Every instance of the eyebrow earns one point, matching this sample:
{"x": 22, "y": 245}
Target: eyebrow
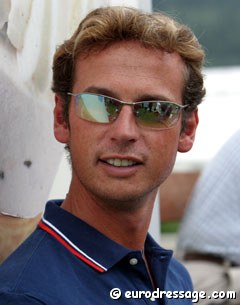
{"x": 110, "y": 93}
{"x": 102, "y": 91}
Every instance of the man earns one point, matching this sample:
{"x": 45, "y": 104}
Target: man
{"x": 127, "y": 87}
{"x": 209, "y": 236}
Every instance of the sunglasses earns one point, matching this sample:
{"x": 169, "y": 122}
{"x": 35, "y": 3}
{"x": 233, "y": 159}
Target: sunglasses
{"x": 104, "y": 109}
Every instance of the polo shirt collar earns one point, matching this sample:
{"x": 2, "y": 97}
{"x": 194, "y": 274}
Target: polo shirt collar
{"x": 84, "y": 241}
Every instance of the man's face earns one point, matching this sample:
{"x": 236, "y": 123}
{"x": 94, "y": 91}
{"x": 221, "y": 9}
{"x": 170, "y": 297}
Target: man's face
{"x": 131, "y": 73}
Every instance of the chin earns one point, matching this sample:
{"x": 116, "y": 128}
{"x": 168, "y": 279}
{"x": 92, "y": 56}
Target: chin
{"x": 123, "y": 202}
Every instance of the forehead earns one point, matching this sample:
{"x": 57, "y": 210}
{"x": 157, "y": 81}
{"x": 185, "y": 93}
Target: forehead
{"x": 128, "y": 66}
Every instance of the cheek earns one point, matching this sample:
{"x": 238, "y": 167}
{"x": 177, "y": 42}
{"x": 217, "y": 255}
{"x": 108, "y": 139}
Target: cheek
{"x": 164, "y": 150}
{"x": 84, "y": 142}
{"x": 81, "y": 153}
{"x": 80, "y": 140}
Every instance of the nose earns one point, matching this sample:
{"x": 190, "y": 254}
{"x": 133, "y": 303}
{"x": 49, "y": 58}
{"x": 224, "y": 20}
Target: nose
{"x": 125, "y": 128}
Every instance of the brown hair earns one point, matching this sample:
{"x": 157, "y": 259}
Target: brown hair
{"x": 105, "y": 26}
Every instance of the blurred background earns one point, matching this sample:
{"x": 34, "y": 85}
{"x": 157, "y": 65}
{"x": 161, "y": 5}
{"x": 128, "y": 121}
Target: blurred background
{"x": 215, "y": 24}
{"x": 34, "y": 167}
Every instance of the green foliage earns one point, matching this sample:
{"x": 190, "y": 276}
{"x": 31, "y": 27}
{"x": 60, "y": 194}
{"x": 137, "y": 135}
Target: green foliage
{"x": 216, "y": 23}
{"x": 169, "y": 226}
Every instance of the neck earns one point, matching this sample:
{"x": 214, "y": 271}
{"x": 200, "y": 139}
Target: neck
{"x": 128, "y": 228}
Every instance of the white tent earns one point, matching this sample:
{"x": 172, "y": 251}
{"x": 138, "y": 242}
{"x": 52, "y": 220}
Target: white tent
{"x": 30, "y": 30}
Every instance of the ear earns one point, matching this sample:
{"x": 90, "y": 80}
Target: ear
{"x": 187, "y": 136}
{"x": 61, "y": 128}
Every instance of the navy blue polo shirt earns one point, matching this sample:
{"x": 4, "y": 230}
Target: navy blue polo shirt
{"x": 67, "y": 262}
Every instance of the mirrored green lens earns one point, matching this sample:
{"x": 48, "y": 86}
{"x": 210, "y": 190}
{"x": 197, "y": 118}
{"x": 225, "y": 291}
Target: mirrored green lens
{"x": 95, "y": 108}
{"x": 157, "y": 114}
{"x": 104, "y": 109}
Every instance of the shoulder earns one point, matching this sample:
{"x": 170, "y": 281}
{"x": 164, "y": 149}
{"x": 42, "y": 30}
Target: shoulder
{"x": 30, "y": 272}
{"x": 178, "y": 286}
{"x": 19, "y": 268}
{"x": 11, "y": 298}
{"x": 178, "y": 276}
{"x": 175, "y": 274}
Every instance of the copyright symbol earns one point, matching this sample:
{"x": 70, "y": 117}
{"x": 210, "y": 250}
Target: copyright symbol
{"x": 115, "y": 293}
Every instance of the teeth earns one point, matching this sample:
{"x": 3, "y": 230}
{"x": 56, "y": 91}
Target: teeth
{"x": 119, "y": 162}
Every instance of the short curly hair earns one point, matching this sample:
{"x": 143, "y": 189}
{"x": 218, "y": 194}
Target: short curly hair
{"x": 104, "y": 26}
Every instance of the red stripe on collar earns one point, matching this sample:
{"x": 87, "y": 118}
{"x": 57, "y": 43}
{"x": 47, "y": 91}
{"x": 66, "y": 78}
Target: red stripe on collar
{"x": 49, "y": 230}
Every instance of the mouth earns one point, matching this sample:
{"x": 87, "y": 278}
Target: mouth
{"x": 120, "y": 162}
{"x": 117, "y": 162}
